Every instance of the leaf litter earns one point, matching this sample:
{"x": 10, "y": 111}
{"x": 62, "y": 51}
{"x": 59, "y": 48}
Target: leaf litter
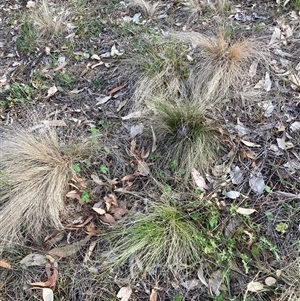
{"x": 237, "y": 177}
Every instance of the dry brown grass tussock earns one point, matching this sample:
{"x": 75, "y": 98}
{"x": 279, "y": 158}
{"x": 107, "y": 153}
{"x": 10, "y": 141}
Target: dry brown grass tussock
{"x": 49, "y": 20}
{"x": 35, "y": 170}
{"x": 147, "y": 7}
{"x": 222, "y": 63}
{"x": 201, "y": 6}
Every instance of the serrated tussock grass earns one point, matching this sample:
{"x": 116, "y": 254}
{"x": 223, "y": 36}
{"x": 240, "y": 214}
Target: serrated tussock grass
{"x": 165, "y": 238}
{"x": 200, "y": 7}
{"x": 185, "y": 134}
{"x": 35, "y": 170}
{"x": 162, "y": 65}
{"x": 222, "y": 63}
{"x": 48, "y": 20}
{"x": 147, "y": 7}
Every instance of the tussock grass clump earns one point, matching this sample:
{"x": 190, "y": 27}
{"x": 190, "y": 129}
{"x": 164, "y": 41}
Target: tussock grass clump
{"x": 165, "y": 238}
{"x": 185, "y": 134}
{"x": 147, "y": 7}
{"x": 48, "y": 21}
{"x": 35, "y": 171}
{"x": 222, "y": 63}
{"x": 200, "y": 7}
{"x": 163, "y": 65}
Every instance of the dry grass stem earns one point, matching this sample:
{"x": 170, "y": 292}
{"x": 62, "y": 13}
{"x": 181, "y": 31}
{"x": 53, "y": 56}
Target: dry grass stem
{"x": 35, "y": 171}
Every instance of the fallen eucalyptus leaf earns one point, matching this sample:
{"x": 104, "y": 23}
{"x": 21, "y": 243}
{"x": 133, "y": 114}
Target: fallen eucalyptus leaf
{"x": 257, "y": 183}
{"x": 269, "y": 281}
{"x": 69, "y": 249}
{"x": 47, "y": 294}
{"x": 132, "y": 115}
{"x": 124, "y": 293}
{"x": 34, "y": 259}
{"x": 250, "y": 144}
{"x": 245, "y": 211}
{"x": 232, "y": 194}
{"x": 199, "y": 180}
{"x": 51, "y": 91}
{"x": 190, "y": 284}
{"x": 255, "y": 286}
{"x": 102, "y": 100}
{"x": 295, "y": 126}
{"x": 201, "y": 277}
{"x": 236, "y": 175}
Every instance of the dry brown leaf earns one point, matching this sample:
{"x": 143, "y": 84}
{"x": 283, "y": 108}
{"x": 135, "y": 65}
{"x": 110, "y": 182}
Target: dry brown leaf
{"x": 51, "y": 280}
{"x": 143, "y": 168}
{"x": 4, "y": 264}
{"x": 113, "y": 199}
{"x": 199, "y": 180}
{"x": 132, "y": 147}
{"x": 99, "y": 210}
{"x": 90, "y": 251}
{"x": 84, "y": 223}
{"x": 124, "y": 293}
{"x": 109, "y": 218}
{"x": 127, "y": 178}
{"x": 116, "y": 89}
{"x": 74, "y": 195}
{"x": 69, "y": 249}
{"x": 62, "y": 65}
{"x": 118, "y": 212}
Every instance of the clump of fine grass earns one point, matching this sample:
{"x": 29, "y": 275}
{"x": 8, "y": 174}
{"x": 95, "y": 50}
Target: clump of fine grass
{"x": 161, "y": 64}
{"x": 165, "y": 238}
{"x": 185, "y": 134}
{"x": 222, "y": 63}
{"x": 200, "y": 7}
{"x": 35, "y": 170}
{"x": 147, "y": 7}
{"x": 48, "y": 21}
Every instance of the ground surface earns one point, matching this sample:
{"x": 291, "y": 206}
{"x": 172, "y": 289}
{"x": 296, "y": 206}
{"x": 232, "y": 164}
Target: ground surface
{"x": 65, "y": 79}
